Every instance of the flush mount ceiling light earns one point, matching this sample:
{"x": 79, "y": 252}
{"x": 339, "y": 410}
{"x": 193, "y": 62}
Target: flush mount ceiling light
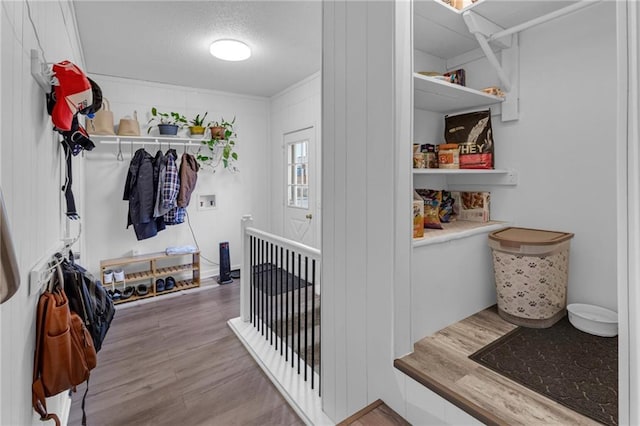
{"x": 230, "y": 50}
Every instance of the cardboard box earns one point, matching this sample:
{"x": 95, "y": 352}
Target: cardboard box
{"x": 472, "y": 206}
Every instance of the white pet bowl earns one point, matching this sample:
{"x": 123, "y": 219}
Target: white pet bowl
{"x": 593, "y": 319}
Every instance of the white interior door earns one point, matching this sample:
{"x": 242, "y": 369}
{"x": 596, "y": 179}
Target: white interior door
{"x": 300, "y": 187}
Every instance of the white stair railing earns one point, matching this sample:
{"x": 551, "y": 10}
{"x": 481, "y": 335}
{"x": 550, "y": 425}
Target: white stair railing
{"x": 279, "y": 294}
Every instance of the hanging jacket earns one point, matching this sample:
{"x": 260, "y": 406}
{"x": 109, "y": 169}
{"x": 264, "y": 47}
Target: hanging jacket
{"x": 161, "y": 163}
{"x": 188, "y": 178}
{"x": 175, "y": 216}
{"x": 138, "y": 190}
{"x": 170, "y": 189}
{"x": 171, "y": 184}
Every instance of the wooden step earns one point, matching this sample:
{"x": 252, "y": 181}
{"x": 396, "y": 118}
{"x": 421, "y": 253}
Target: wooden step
{"x": 441, "y": 363}
{"x": 375, "y": 414}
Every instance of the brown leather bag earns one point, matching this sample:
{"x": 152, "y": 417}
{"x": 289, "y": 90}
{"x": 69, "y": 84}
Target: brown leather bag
{"x": 64, "y": 353}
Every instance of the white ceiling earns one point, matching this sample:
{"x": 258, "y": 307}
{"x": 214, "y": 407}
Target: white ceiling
{"x": 168, "y": 42}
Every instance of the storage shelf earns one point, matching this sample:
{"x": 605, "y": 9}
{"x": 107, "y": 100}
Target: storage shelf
{"x": 152, "y": 272}
{"x": 472, "y": 177}
{"x": 138, "y": 276}
{"x": 149, "y": 139}
{"x": 175, "y": 269}
{"x": 441, "y": 31}
{"x": 180, "y": 285}
{"x": 507, "y": 16}
{"x": 457, "y": 230}
{"x": 140, "y": 258}
{"x": 461, "y": 171}
{"x": 441, "y": 96}
{"x": 132, "y": 298}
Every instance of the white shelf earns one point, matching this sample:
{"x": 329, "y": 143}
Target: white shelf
{"x": 473, "y": 177}
{"x": 457, "y": 230}
{"x": 440, "y": 96}
{"x": 138, "y": 140}
{"x": 441, "y": 31}
{"x": 461, "y": 171}
{"x": 507, "y": 15}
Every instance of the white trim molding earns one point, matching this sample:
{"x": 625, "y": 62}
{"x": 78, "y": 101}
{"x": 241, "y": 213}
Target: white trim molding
{"x": 305, "y": 401}
{"x": 633, "y": 208}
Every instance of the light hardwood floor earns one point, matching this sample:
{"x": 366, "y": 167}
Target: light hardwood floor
{"x": 440, "y": 362}
{"x": 375, "y": 414}
{"x": 174, "y": 361}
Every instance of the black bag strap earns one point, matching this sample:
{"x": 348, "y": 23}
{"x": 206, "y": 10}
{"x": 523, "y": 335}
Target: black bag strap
{"x": 84, "y": 397}
{"x": 72, "y": 213}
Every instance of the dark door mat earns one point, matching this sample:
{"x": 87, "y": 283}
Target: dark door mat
{"x": 575, "y": 369}
{"x": 273, "y": 280}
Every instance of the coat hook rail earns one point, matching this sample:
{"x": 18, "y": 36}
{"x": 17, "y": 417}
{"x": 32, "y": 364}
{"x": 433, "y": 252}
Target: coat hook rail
{"x": 157, "y": 142}
{"x": 41, "y": 272}
{"x": 40, "y": 72}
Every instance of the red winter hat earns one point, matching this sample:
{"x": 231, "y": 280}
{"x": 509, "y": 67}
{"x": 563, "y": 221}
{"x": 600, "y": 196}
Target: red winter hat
{"x": 73, "y": 93}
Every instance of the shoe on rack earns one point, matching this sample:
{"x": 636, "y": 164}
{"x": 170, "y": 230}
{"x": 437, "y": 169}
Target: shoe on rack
{"x": 127, "y": 293}
{"x": 115, "y": 294}
{"x": 169, "y": 283}
{"x": 142, "y": 290}
{"x": 160, "y": 285}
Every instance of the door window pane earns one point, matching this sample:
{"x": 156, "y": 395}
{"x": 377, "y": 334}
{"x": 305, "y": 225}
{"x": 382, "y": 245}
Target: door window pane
{"x": 298, "y": 175}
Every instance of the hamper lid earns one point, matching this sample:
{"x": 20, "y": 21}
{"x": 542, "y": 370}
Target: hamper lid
{"x": 529, "y": 236}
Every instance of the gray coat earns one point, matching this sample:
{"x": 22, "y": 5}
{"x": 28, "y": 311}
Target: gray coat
{"x": 139, "y": 191}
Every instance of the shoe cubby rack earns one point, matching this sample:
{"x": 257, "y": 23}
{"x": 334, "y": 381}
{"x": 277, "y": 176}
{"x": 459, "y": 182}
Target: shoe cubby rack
{"x": 147, "y": 268}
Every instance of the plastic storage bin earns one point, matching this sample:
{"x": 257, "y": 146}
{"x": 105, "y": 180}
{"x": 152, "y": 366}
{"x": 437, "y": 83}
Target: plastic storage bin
{"x": 531, "y": 271}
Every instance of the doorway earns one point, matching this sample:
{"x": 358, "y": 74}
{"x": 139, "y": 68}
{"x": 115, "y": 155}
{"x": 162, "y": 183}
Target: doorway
{"x": 301, "y": 195}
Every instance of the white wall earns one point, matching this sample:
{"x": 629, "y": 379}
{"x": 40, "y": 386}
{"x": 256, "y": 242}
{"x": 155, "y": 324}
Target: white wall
{"x": 629, "y": 208}
{"x": 295, "y": 108}
{"x": 359, "y": 192}
{"x": 563, "y": 145}
{"x": 30, "y": 178}
{"x": 236, "y": 193}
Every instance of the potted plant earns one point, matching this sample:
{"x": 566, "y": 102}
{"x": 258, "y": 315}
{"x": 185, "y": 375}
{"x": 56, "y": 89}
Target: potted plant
{"x": 222, "y": 129}
{"x": 220, "y": 147}
{"x": 168, "y": 122}
{"x": 197, "y": 125}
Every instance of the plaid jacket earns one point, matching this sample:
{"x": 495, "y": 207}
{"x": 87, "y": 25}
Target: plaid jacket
{"x": 171, "y": 183}
{"x": 175, "y": 216}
